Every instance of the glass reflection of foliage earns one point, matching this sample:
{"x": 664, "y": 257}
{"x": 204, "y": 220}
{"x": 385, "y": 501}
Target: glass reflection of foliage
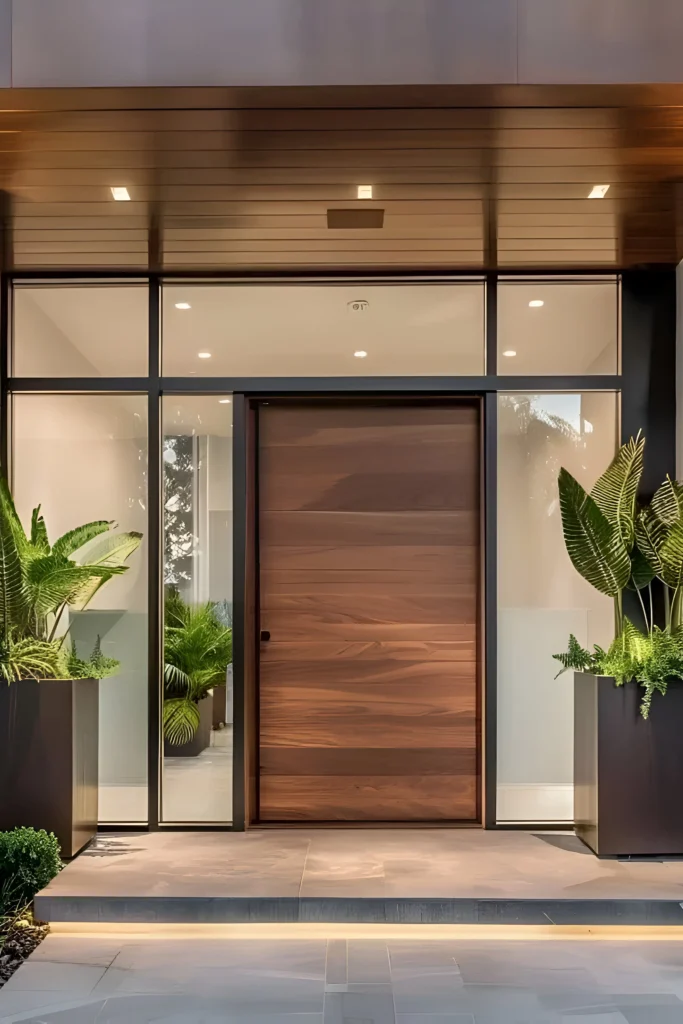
{"x": 178, "y": 456}
{"x": 198, "y": 650}
{"x": 543, "y": 431}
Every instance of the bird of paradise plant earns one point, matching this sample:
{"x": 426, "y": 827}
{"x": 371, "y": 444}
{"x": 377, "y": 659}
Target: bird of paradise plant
{"x": 618, "y": 543}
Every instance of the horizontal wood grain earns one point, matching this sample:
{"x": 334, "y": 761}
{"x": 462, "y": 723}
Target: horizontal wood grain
{"x": 245, "y": 187}
{"x": 369, "y": 561}
{"x": 322, "y": 612}
{"x": 359, "y": 761}
{"x": 347, "y": 724}
{"x": 364, "y": 652}
{"x": 368, "y": 798}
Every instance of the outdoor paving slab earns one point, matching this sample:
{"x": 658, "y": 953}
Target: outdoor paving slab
{"x": 458, "y": 876}
{"x": 290, "y": 980}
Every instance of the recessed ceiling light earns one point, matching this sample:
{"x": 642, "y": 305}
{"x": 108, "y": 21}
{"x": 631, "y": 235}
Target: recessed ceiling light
{"x": 510, "y": 352}
{"x": 536, "y": 303}
{"x": 204, "y": 355}
{"x": 360, "y": 354}
{"x": 598, "y": 192}
{"x": 365, "y": 191}
{"x": 120, "y": 193}
{"x": 183, "y": 305}
{"x": 224, "y": 401}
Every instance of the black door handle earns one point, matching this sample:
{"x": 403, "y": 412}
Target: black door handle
{"x": 265, "y": 635}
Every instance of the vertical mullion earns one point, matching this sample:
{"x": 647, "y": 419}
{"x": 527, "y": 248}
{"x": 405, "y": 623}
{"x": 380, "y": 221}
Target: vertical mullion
{"x": 490, "y": 606}
{"x": 239, "y": 562}
{"x": 154, "y": 566}
{"x": 5, "y": 342}
{"x": 491, "y": 325}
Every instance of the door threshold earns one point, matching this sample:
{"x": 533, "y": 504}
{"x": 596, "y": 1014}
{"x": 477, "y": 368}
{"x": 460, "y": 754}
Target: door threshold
{"x": 360, "y": 825}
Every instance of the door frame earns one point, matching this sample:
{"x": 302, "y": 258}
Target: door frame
{"x": 246, "y": 599}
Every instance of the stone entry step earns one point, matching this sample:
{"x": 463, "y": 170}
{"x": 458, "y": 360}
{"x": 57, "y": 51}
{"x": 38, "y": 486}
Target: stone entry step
{"x": 432, "y": 876}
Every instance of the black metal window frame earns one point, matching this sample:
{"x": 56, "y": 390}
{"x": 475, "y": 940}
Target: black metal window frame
{"x": 645, "y": 383}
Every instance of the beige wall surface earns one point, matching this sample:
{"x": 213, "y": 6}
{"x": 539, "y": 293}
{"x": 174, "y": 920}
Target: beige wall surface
{"x": 74, "y": 43}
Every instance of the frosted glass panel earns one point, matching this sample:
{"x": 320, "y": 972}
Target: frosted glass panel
{"x": 541, "y": 598}
{"x": 346, "y": 330}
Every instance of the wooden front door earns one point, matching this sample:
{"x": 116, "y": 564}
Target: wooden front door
{"x": 369, "y": 568}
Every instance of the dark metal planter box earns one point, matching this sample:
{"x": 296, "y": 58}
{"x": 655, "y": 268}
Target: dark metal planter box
{"x": 49, "y": 758}
{"x": 201, "y": 739}
{"x": 628, "y": 771}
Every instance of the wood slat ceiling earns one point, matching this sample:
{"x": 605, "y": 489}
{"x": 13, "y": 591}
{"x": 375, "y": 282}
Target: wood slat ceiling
{"x": 248, "y": 187}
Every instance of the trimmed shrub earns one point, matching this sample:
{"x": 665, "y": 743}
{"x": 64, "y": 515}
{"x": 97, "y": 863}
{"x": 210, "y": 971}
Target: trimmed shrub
{"x": 29, "y": 859}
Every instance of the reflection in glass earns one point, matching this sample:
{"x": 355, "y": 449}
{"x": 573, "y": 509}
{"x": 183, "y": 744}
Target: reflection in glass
{"x": 558, "y": 327}
{"x": 84, "y": 458}
{"x": 541, "y": 598}
{"x": 304, "y": 330}
{"x": 70, "y": 330}
{"x": 197, "y": 686}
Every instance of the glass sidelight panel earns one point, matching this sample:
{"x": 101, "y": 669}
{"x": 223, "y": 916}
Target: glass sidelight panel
{"x": 84, "y": 458}
{"x": 541, "y": 598}
{"x": 197, "y": 686}
{"x": 80, "y": 330}
{"x": 323, "y": 330}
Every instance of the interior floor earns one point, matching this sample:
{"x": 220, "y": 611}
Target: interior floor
{"x": 195, "y": 789}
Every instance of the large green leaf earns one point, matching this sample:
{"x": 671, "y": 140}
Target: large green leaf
{"x": 75, "y": 539}
{"x": 14, "y": 606}
{"x": 181, "y": 720}
{"x": 671, "y": 556}
{"x": 9, "y": 513}
{"x": 109, "y": 551}
{"x": 667, "y": 502}
{"x": 595, "y": 547}
{"x": 651, "y": 532}
{"x": 52, "y": 581}
{"x": 615, "y": 492}
{"x": 175, "y": 680}
{"x": 39, "y": 539}
{"x": 642, "y": 572}
{"x": 112, "y": 549}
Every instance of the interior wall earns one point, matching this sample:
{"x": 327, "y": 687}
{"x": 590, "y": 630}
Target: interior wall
{"x": 541, "y": 597}
{"x": 41, "y": 348}
{"x": 86, "y": 330}
{"x": 301, "y": 330}
{"x": 557, "y": 327}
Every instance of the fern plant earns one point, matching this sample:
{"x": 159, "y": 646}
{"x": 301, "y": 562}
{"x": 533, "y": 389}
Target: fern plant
{"x": 198, "y": 650}
{"x": 97, "y": 666}
{"x": 40, "y": 581}
{"x": 615, "y": 544}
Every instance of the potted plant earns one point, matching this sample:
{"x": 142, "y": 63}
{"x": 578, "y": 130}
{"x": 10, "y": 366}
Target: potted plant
{"x": 628, "y": 698}
{"x": 49, "y": 700}
{"x": 198, "y": 650}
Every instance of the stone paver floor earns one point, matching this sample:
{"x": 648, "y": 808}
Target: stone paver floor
{"x": 303, "y": 979}
{"x": 462, "y": 863}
